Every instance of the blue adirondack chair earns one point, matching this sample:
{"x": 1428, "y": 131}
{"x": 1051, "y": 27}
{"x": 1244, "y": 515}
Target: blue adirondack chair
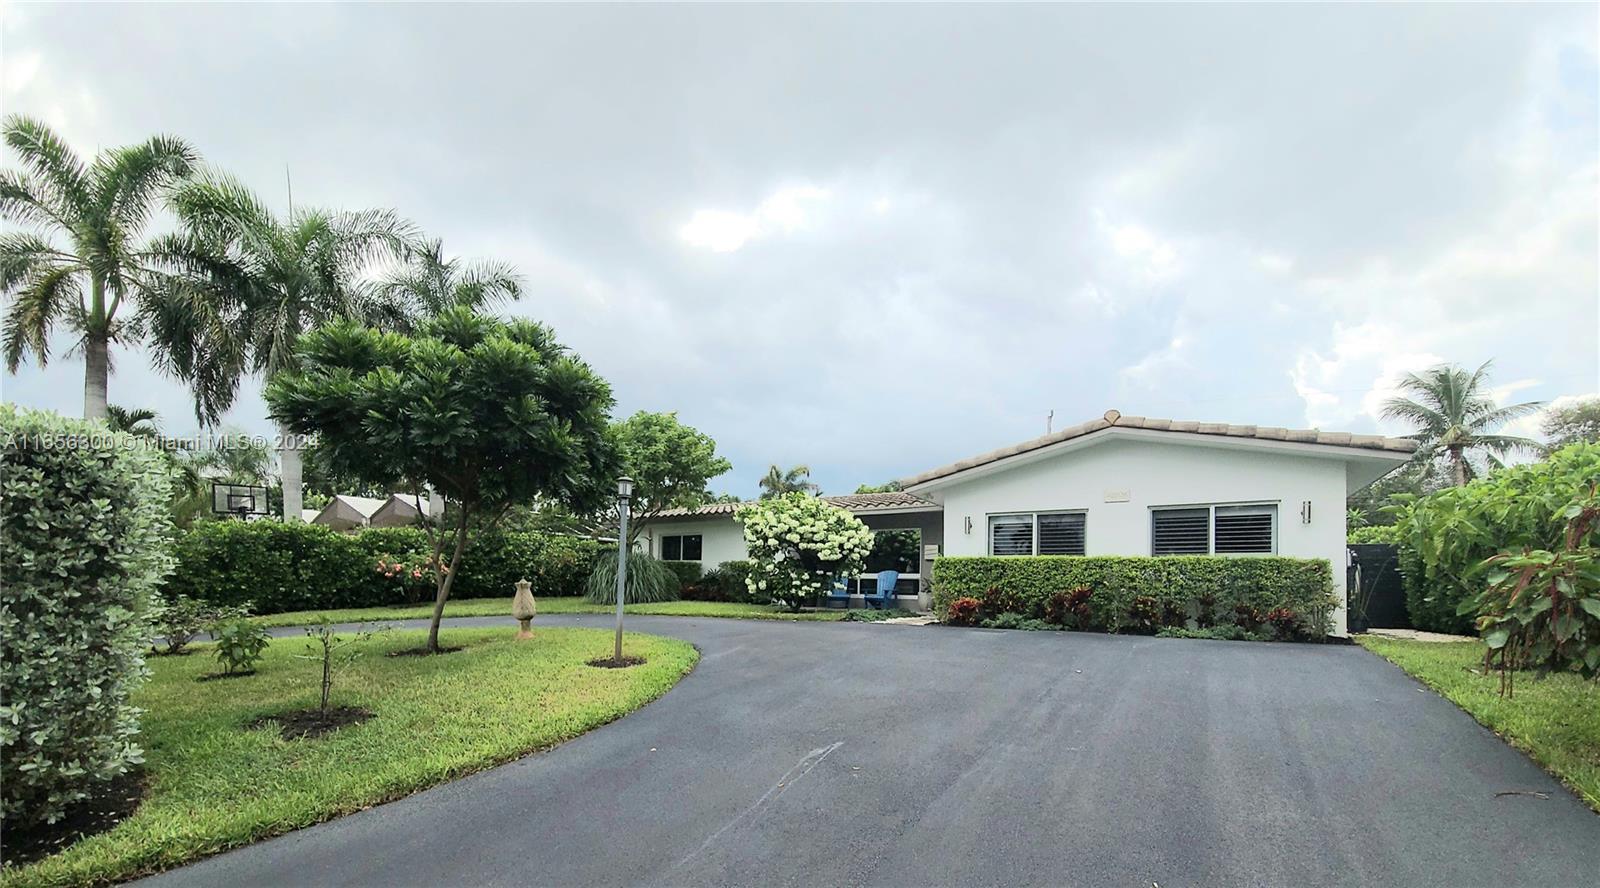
{"x": 884, "y": 594}
{"x": 840, "y": 592}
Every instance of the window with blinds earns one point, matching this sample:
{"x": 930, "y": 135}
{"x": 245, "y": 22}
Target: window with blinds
{"x": 1180, "y": 532}
{"x": 1244, "y": 530}
{"x": 1026, "y": 533}
{"x": 1061, "y": 533}
{"x": 1010, "y": 534}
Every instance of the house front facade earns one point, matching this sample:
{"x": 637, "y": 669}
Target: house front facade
{"x": 1117, "y": 485}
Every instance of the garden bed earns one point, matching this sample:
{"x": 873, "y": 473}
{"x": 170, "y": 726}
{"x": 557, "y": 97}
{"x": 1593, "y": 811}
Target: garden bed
{"x": 215, "y": 783}
{"x": 1555, "y": 720}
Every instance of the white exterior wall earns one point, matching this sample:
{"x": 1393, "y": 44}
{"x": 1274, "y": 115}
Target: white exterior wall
{"x": 721, "y": 538}
{"x": 1158, "y": 474}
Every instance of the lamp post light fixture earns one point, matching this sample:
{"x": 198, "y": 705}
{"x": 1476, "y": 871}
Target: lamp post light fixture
{"x": 624, "y": 493}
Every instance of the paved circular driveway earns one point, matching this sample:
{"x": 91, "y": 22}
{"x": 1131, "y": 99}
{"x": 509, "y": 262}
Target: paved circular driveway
{"x": 856, "y": 754}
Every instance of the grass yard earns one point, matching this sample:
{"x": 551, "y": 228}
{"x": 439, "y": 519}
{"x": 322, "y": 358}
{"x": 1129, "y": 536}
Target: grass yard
{"x": 214, "y": 784}
{"x": 1555, "y": 720}
{"x": 501, "y": 607}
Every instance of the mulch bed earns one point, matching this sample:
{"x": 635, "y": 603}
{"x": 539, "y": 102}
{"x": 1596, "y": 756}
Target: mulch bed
{"x": 112, "y": 803}
{"x": 609, "y": 663}
{"x": 218, "y": 676}
{"x": 422, "y": 652}
{"x": 313, "y": 723}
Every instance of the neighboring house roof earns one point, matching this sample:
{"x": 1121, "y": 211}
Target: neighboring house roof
{"x": 1114, "y": 419}
{"x": 345, "y": 511}
{"x": 855, "y": 502}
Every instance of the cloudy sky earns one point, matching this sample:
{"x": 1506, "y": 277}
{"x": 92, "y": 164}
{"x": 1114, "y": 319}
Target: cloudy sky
{"x": 876, "y": 239}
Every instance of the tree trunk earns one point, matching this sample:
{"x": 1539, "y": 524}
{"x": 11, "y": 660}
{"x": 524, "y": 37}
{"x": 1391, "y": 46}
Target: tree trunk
{"x": 289, "y": 466}
{"x": 1458, "y": 466}
{"x": 445, "y": 582}
{"x": 96, "y": 371}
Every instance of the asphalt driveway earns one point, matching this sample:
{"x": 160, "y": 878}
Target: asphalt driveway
{"x": 856, "y": 754}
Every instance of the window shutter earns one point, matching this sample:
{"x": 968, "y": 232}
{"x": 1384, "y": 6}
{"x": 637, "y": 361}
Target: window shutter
{"x": 671, "y": 548}
{"x": 1011, "y": 535}
{"x": 1245, "y": 530}
{"x": 1061, "y": 534}
{"x": 691, "y": 547}
{"x": 1180, "y": 532}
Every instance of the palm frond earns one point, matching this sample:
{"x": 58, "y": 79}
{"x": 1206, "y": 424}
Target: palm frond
{"x": 33, "y": 312}
{"x": 22, "y": 201}
{"x": 49, "y": 159}
{"x": 129, "y": 179}
{"x": 24, "y": 256}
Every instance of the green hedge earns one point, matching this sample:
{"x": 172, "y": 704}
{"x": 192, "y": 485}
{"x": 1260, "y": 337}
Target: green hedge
{"x": 1183, "y": 589}
{"x": 1445, "y": 537}
{"x": 283, "y": 566}
{"x": 687, "y": 572}
{"x": 728, "y": 581}
{"x": 84, "y": 545}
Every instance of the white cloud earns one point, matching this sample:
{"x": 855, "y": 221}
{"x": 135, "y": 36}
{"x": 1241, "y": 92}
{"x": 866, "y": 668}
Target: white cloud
{"x": 1357, "y": 374}
{"x": 785, "y": 211}
{"x": 1150, "y": 257}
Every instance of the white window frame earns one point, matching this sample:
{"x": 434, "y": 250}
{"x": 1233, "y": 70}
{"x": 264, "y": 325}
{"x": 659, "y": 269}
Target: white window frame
{"x": 1211, "y": 525}
{"x": 680, "y": 536}
{"x": 1033, "y": 541}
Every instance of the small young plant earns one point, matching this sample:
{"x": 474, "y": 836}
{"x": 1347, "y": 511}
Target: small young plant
{"x": 240, "y": 644}
{"x": 326, "y": 645}
{"x": 179, "y": 620}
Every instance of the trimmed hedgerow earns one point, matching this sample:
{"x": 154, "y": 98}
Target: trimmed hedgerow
{"x": 1139, "y": 594}
{"x": 86, "y": 521}
{"x": 687, "y": 572}
{"x": 286, "y": 566}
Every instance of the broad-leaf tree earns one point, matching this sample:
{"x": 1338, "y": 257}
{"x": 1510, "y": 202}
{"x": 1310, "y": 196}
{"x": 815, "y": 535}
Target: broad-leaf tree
{"x": 426, "y": 284}
{"x": 779, "y": 482}
{"x": 489, "y": 413}
{"x": 244, "y": 283}
{"x": 1456, "y": 417}
{"x": 1572, "y": 423}
{"x": 82, "y": 263}
{"x": 670, "y": 464}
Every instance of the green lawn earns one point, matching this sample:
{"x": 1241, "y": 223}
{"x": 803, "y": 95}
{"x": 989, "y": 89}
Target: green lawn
{"x": 215, "y": 784}
{"x": 501, "y": 607}
{"x": 1555, "y": 720}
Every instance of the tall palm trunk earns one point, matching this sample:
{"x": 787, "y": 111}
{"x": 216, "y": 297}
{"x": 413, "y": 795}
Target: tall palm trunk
{"x": 96, "y": 352}
{"x": 1458, "y": 466}
{"x": 289, "y": 470}
{"x": 96, "y": 371}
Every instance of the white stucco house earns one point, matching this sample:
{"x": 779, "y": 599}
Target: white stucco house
{"x": 1118, "y": 485}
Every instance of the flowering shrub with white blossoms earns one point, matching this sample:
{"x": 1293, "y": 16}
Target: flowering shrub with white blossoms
{"x": 798, "y": 544}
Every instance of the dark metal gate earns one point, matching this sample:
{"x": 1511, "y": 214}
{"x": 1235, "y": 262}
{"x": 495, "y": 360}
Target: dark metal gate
{"x": 1377, "y": 595}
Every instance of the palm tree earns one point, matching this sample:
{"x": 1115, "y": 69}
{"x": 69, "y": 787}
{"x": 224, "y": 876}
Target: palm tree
{"x": 426, "y": 284}
{"x": 1455, "y": 416}
{"x": 188, "y": 488}
{"x": 81, "y": 264}
{"x": 243, "y": 284}
{"x": 778, "y": 482}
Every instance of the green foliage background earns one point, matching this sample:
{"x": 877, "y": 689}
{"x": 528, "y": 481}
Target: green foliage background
{"x": 1445, "y": 537}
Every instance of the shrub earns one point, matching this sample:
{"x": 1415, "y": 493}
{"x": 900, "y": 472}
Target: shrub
{"x": 870, "y": 615}
{"x": 179, "y": 620}
{"x": 85, "y": 517}
{"x": 687, "y": 572}
{"x": 649, "y": 579}
{"x": 997, "y": 601}
{"x": 1198, "y": 585}
{"x": 1378, "y": 533}
{"x": 1014, "y": 620}
{"x": 1445, "y": 537}
{"x": 240, "y": 645}
{"x": 799, "y": 543}
{"x": 1218, "y": 633}
{"x": 728, "y": 581}
{"x": 1246, "y": 617}
{"x": 1144, "y": 615}
{"x": 1069, "y": 609}
{"x": 963, "y": 612}
{"x": 1285, "y": 624}
{"x": 289, "y": 566}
